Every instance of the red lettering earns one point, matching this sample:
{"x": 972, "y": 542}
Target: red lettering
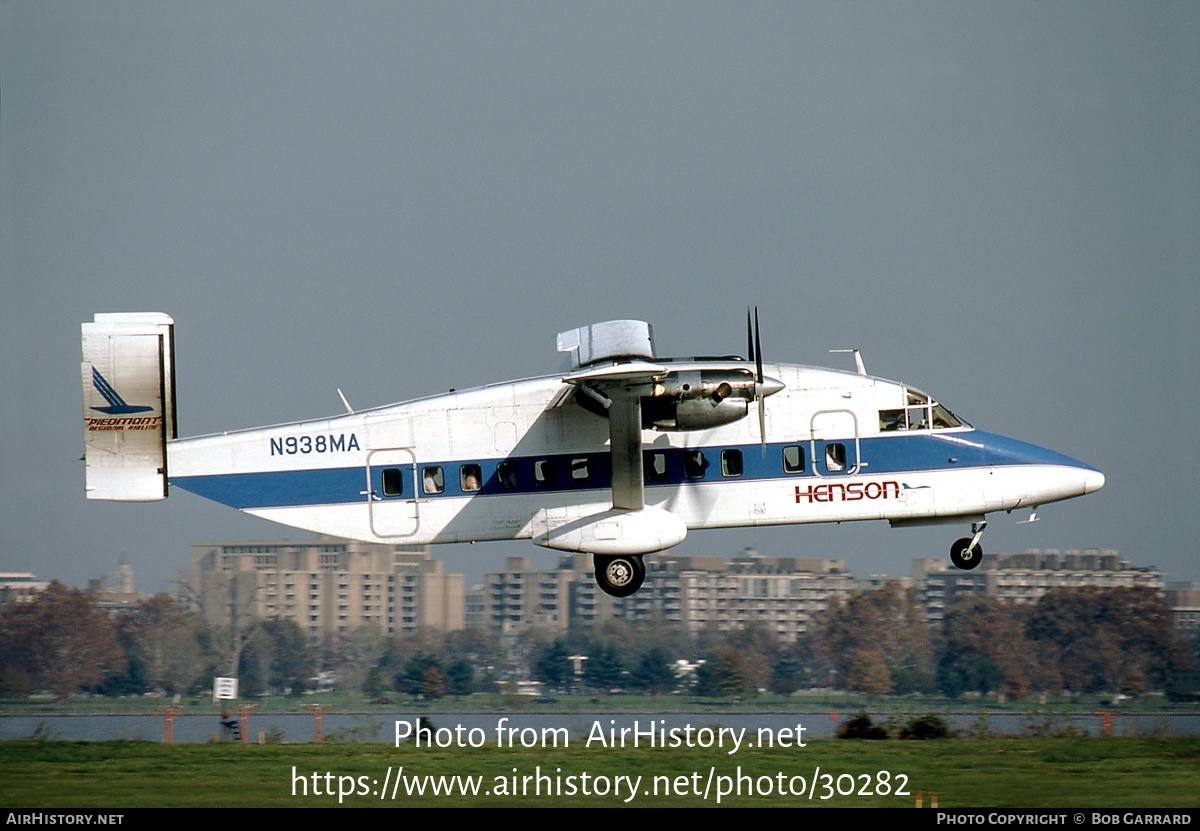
{"x": 126, "y": 423}
{"x": 852, "y": 492}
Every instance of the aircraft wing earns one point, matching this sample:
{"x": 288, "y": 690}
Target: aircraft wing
{"x": 619, "y": 389}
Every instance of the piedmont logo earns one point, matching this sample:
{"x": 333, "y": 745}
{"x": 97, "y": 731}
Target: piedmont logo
{"x": 117, "y": 406}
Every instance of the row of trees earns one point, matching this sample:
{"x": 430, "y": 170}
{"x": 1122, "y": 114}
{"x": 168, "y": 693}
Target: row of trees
{"x": 1081, "y": 640}
{"x": 1085, "y": 640}
{"x": 63, "y": 643}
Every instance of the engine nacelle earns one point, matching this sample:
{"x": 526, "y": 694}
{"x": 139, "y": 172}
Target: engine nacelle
{"x": 698, "y": 399}
{"x": 691, "y": 413}
{"x": 717, "y": 384}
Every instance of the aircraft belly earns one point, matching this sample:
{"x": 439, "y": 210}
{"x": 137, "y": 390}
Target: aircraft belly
{"x": 350, "y": 521}
{"x": 440, "y": 521}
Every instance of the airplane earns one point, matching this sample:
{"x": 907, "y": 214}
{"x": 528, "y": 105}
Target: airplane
{"x": 618, "y": 457}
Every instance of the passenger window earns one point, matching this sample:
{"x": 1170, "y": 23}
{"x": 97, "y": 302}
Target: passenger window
{"x": 693, "y": 464}
{"x": 581, "y": 471}
{"x": 835, "y": 457}
{"x": 543, "y": 473}
{"x": 432, "y": 480}
{"x": 393, "y": 482}
{"x": 793, "y": 459}
{"x": 656, "y": 471}
{"x": 470, "y": 478}
{"x": 731, "y": 462}
{"x": 506, "y": 473}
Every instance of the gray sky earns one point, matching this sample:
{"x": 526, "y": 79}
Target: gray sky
{"x": 997, "y": 202}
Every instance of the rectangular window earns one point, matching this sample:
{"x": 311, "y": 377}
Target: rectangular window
{"x": 693, "y": 464}
{"x": 432, "y": 480}
{"x": 835, "y": 457}
{"x": 731, "y": 462}
{"x": 506, "y": 473}
{"x": 918, "y": 418}
{"x": 393, "y": 481}
{"x": 470, "y": 478}
{"x": 581, "y": 471}
{"x": 793, "y": 459}
{"x": 543, "y": 473}
{"x": 891, "y": 420}
{"x": 656, "y": 470}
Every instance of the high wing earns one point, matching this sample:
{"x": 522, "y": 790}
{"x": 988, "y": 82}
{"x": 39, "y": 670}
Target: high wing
{"x": 618, "y": 375}
{"x": 619, "y": 389}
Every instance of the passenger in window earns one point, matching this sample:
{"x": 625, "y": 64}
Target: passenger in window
{"x": 835, "y": 457}
{"x": 471, "y": 478}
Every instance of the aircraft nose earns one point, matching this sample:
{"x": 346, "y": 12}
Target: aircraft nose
{"x": 1093, "y": 480}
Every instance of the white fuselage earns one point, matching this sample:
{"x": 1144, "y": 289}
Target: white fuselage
{"x": 500, "y": 462}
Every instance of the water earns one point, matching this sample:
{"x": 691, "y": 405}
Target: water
{"x": 464, "y": 728}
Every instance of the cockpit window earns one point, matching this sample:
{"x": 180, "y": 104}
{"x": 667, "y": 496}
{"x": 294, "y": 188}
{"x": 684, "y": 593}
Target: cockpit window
{"x": 919, "y": 413}
{"x": 943, "y": 418}
{"x": 891, "y": 420}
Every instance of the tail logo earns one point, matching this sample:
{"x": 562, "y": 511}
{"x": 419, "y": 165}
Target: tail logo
{"x": 116, "y": 404}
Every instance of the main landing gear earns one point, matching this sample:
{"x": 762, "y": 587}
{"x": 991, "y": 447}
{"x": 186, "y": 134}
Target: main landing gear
{"x": 967, "y": 552}
{"x": 620, "y": 575}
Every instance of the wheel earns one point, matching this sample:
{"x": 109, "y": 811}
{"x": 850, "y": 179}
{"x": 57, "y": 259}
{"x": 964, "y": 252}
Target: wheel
{"x": 619, "y": 576}
{"x": 964, "y": 556}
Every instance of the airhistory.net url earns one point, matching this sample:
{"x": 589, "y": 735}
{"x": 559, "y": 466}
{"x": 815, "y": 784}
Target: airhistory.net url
{"x": 706, "y": 785}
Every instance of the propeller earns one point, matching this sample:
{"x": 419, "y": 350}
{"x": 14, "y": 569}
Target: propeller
{"x": 754, "y": 347}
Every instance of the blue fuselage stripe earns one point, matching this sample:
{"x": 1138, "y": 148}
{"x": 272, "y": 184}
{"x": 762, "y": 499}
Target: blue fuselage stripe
{"x": 892, "y": 454}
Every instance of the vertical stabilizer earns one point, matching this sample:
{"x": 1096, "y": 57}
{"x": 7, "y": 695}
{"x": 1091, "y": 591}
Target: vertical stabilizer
{"x": 128, "y": 404}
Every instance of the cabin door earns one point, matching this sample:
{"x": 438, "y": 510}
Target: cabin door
{"x": 835, "y": 443}
{"x": 391, "y": 488}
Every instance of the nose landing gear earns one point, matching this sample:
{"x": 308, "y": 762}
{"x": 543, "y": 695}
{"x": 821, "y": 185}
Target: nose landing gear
{"x": 967, "y": 553}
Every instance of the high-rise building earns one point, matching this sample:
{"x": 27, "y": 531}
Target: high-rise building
{"x": 694, "y": 592}
{"x": 329, "y": 587}
{"x": 1023, "y": 578}
{"x": 19, "y": 586}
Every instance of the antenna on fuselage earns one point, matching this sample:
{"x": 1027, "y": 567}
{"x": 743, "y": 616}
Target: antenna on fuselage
{"x": 345, "y": 403}
{"x": 858, "y": 361}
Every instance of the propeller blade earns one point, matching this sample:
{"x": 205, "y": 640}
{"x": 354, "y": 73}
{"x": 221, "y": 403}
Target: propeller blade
{"x": 757, "y": 349}
{"x": 749, "y": 337}
{"x": 758, "y": 381}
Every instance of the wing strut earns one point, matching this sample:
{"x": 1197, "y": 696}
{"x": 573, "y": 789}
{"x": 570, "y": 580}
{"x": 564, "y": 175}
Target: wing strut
{"x": 625, "y": 442}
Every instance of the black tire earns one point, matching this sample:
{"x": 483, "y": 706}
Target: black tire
{"x": 619, "y": 576}
{"x": 964, "y": 556}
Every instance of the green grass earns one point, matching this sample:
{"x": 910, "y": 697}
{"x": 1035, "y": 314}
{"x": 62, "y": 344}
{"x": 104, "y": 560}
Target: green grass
{"x": 1049, "y": 773}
